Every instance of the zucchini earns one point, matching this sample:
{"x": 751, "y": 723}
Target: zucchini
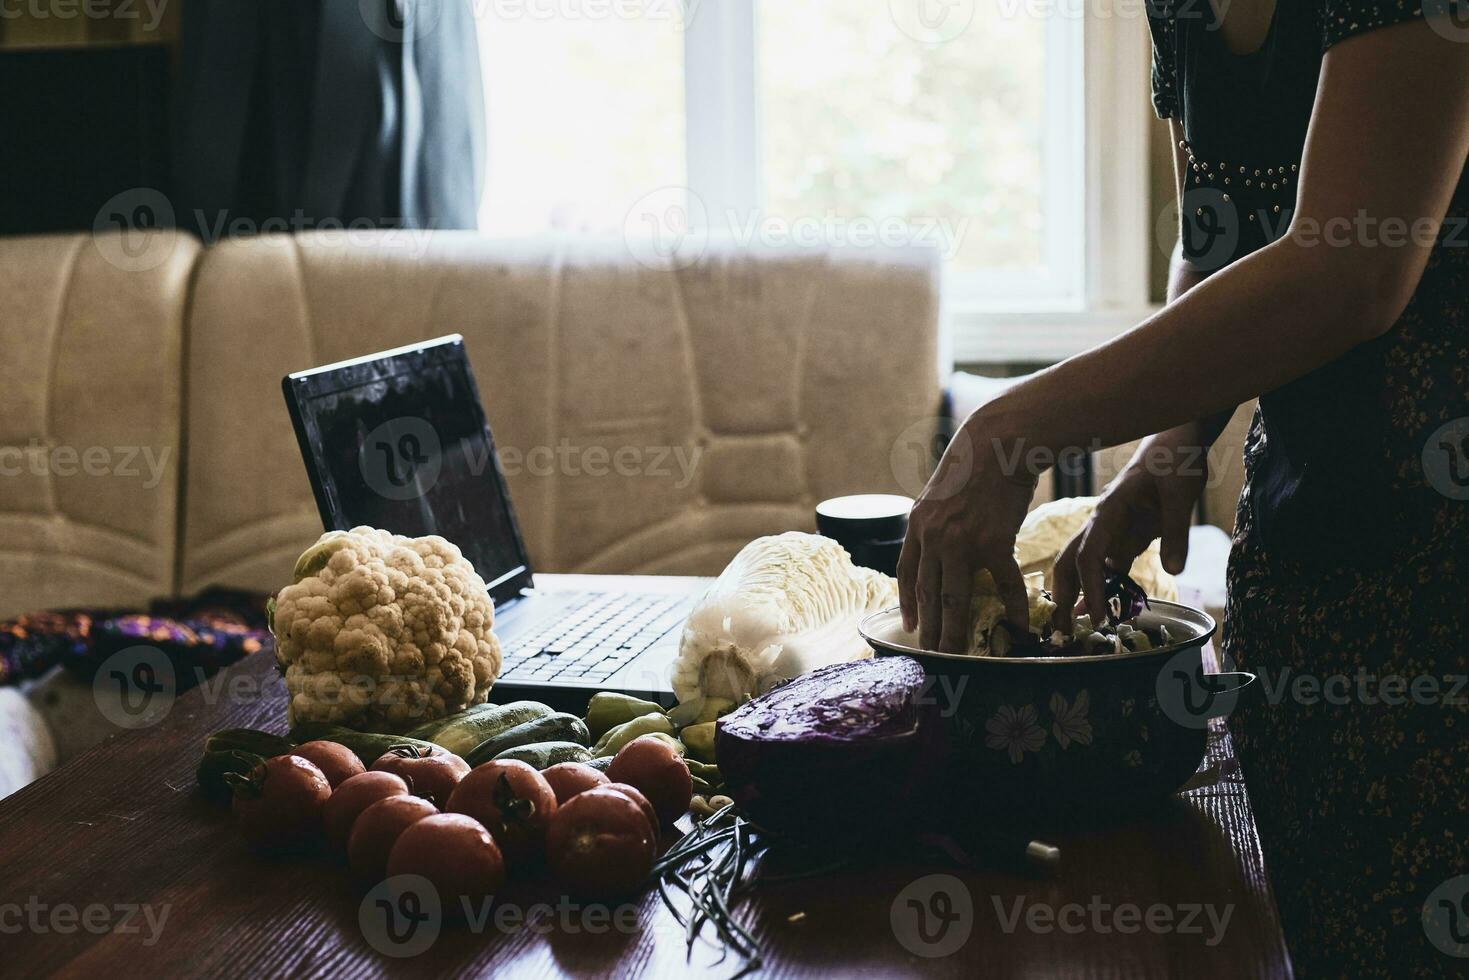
{"x": 469, "y": 729}
{"x": 368, "y": 746}
{"x": 433, "y": 726}
{"x": 543, "y": 755}
{"x": 560, "y": 727}
{"x": 601, "y": 763}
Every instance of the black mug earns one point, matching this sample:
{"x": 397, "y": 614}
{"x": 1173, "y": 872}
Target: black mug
{"x": 870, "y": 526}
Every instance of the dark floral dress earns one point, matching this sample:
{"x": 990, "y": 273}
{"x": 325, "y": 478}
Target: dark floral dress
{"x": 1349, "y": 576}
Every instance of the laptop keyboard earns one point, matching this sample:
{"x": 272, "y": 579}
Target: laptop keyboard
{"x": 597, "y": 635}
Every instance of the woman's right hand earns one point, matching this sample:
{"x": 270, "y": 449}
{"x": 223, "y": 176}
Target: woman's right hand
{"x": 1153, "y": 497}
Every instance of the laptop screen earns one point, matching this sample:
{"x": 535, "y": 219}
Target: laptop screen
{"x": 399, "y": 441}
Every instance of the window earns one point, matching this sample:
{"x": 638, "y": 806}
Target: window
{"x": 959, "y": 124}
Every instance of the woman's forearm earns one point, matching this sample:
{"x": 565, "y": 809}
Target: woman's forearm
{"x": 1264, "y": 321}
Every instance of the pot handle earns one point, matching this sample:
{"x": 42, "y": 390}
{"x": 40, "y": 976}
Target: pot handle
{"x": 1229, "y": 681}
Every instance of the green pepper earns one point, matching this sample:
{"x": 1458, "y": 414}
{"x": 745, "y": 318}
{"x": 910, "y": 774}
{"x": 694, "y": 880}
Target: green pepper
{"x": 616, "y": 738}
{"x": 607, "y": 710}
{"x": 700, "y": 741}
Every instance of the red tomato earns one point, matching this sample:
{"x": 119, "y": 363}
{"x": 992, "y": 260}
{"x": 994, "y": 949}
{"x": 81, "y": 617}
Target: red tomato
{"x": 279, "y": 803}
{"x": 600, "y": 845}
{"x": 569, "y": 778}
{"x": 514, "y": 801}
{"x": 632, "y": 793}
{"x": 351, "y": 798}
{"x": 376, "y": 830}
{"x": 337, "y": 762}
{"x": 654, "y": 767}
{"x": 431, "y": 773}
{"x": 456, "y": 854}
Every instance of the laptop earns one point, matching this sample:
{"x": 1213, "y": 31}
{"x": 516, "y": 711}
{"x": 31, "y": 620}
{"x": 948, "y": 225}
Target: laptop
{"x": 399, "y": 441}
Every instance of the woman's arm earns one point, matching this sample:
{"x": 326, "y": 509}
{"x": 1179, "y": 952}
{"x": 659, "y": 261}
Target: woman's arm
{"x": 1388, "y": 140}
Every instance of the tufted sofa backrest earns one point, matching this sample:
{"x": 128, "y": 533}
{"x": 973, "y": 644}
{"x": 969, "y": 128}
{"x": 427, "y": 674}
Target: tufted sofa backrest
{"x": 649, "y": 420}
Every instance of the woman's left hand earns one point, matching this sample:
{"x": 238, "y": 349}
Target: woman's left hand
{"x": 965, "y": 521}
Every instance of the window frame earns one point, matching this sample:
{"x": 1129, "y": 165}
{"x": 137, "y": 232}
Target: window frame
{"x": 1097, "y": 83}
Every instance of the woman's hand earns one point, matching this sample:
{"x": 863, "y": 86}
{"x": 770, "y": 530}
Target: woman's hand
{"x": 964, "y": 521}
{"x": 1153, "y": 497}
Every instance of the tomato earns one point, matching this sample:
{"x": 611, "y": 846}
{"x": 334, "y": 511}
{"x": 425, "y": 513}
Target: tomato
{"x": 632, "y": 793}
{"x": 376, "y": 830}
{"x": 279, "y": 803}
{"x": 654, "y": 767}
{"x": 337, "y": 762}
{"x": 431, "y": 773}
{"x": 351, "y": 798}
{"x": 569, "y": 778}
{"x": 456, "y": 854}
{"x": 600, "y": 845}
{"x": 514, "y": 801}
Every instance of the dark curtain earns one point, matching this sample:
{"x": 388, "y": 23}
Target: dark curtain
{"x": 296, "y": 114}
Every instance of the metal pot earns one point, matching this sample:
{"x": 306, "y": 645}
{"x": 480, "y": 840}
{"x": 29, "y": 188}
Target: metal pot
{"x": 1072, "y": 736}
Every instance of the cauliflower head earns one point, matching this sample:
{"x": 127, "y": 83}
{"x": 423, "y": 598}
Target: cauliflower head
{"x": 382, "y": 632}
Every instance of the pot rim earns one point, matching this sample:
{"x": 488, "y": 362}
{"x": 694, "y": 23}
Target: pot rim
{"x": 1170, "y": 611}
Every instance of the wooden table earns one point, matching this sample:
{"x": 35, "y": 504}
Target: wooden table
{"x": 124, "y": 827}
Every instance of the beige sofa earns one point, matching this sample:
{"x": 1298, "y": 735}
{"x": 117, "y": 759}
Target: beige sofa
{"x": 145, "y": 449}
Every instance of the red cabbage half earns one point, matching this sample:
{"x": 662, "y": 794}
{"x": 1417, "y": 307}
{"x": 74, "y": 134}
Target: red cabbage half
{"x": 849, "y": 748}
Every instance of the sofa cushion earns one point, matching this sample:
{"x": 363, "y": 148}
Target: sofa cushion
{"x": 90, "y": 416}
{"x": 648, "y": 420}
